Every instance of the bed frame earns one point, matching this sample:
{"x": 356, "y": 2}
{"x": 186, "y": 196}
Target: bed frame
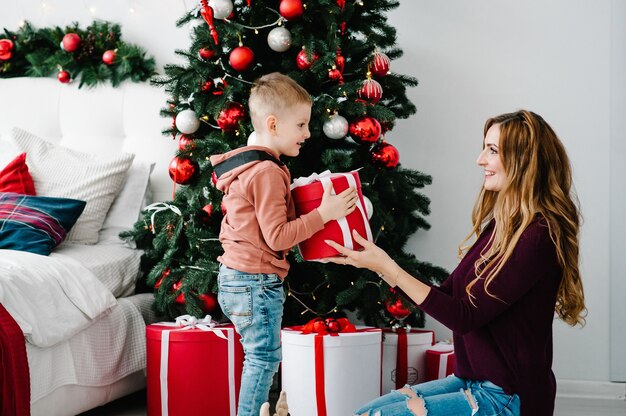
{"x": 103, "y": 120}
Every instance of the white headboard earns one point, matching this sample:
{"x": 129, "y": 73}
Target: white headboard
{"x": 103, "y": 120}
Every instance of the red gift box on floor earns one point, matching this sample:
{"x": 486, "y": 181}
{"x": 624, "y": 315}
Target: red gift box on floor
{"x": 194, "y": 368}
{"x": 307, "y": 195}
{"x": 439, "y": 361}
{"x": 404, "y": 357}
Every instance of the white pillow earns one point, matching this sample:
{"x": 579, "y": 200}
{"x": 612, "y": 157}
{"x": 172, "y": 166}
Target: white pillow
{"x": 62, "y": 172}
{"x": 128, "y": 205}
{"x": 8, "y": 152}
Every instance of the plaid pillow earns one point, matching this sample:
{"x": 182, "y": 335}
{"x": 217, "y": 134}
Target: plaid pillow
{"x": 36, "y": 224}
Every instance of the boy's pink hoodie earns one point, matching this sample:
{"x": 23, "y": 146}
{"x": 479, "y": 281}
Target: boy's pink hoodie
{"x": 260, "y": 225}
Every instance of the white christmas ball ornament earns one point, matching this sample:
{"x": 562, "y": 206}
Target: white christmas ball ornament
{"x": 369, "y": 208}
{"x": 187, "y": 122}
{"x": 252, "y": 139}
{"x": 279, "y": 39}
{"x": 221, "y": 8}
{"x": 336, "y": 127}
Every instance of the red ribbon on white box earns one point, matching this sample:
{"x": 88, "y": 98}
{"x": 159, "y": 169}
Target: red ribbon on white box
{"x": 185, "y": 322}
{"x": 326, "y": 179}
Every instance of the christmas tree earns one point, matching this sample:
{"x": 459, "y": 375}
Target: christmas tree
{"x": 339, "y": 51}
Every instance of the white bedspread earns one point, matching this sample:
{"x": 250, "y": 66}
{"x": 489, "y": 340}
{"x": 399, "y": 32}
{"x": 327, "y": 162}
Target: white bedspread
{"x": 51, "y": 300}
{"x": 110, "y": 349}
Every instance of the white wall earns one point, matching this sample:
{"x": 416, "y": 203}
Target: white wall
{"x": 474, "y": 59}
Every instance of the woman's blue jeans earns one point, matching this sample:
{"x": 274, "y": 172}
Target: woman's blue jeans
{"x": 254, "y": 304}
{"x": 447, "y": 397}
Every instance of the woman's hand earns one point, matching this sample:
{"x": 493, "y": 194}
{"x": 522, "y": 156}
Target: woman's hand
{"x": 371, "y": 257}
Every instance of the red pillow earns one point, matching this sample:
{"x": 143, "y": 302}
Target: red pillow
{"x": 16, "y": 178}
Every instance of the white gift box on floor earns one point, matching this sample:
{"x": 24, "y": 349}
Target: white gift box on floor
{"x": 404, "y": 357}
{"x": 350, "y": 362}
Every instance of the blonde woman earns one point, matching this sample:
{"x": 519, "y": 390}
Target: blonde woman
{"x": 519, "y": 266}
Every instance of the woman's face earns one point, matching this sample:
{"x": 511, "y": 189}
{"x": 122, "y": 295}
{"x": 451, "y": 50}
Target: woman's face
{"x": 489, "y": 160}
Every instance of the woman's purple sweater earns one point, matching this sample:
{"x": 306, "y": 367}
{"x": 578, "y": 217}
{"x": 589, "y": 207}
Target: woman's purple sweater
{"x": 506, "y": 339}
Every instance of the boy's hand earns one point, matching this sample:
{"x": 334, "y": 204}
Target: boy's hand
{"x": 334, "y": 207}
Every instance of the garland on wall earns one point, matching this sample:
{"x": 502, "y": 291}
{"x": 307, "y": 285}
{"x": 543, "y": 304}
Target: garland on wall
{"x": 93, "y": 55}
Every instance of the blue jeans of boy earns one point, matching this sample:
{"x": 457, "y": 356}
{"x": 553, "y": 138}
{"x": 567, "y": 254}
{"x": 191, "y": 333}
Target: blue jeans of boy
{"x": 254, "y": 304}
{"x": 446, "y": 397}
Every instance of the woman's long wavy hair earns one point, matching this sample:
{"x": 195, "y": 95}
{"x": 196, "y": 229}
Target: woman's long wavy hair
{"x": 539, "y": 180}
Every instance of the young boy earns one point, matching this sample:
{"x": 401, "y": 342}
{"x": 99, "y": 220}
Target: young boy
{"x": 260, "y": 227}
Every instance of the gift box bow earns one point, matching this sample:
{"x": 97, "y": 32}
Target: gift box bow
{"x": 328, "y": 326}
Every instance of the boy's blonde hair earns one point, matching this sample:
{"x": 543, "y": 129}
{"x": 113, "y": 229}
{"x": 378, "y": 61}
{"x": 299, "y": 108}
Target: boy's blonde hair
{"x": 273, "y": 93}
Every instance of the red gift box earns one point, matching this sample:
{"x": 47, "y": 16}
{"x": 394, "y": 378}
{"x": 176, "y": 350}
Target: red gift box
{"x": 307, "y": 195}
{"x": 194, "y": 367}
{"x": 439, "y": 361}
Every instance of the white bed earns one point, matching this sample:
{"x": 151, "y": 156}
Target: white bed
{"x": 105, "y": 358}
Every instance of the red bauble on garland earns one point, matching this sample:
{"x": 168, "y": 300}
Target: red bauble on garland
{"x": 340, "y": 61}
{"x": 206, "y": 53}
{"x": 70, "y": 42}
{"x": 214, "y": 178}
{"x": 180, "y": 299}
{"x": 182, "y": 170}
{"x": 380, "y": 64}
{"x": 302, "y": 60}
{"x": 208, "y": 211}
{"x": 291, "y": 9}
{"x": 163, "y": 276}
{"x": 365, "y": 129}
{"x": 230, "y": 116}
{"x": 6, "y": 49}
{"x": 335, "y": 74}
{"x": 241, "y": 58}
{"x": 64, "y": 77}
{"x": 370, "y": 91}
{"x": 385, "y": 155}
{"x": 208, "y": 302}
{"x": 186, "y": 142}
{"x": 108, "y": 57}
{"x": 397, "y": 309}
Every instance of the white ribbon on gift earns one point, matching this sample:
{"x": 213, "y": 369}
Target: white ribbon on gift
{"x": 159, "y": 207}
{"x": 185, "y": 322}
{"x": 326, "y": 178}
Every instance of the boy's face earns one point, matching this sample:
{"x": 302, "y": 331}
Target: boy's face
{"x": 291, "y": 129}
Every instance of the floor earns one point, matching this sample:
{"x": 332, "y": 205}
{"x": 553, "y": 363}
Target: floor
{"x": 135, "y": 405}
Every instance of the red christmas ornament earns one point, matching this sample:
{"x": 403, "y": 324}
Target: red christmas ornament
{"x": 291, "y": 9}
{"x": 340, "y": 61}
{"x": 186, "y": 142}
{"x": 163, "y": 276}
{"x": 241, "y": 58}
{"x": 343, "y": 28}
{"x": 332, "y": 325}
{"x": 214, "y": 178}
{"x": 319, "y": 326}
{"x": 64, "y": 77}
{"x": 207, "y": 86}
{"x": 180, "y": 299}
{"x": 335, "y": 75}
{"x": 209, "y": 302}
{"x": 302, "y": 60}
{"x": 230, "y": 116}
{"x": 380, "y": 64}
{"x": 182, "y": 170}
{"x": 6, "y": 49}
{"x": 341, "y": 4}
{"x": 397, "y": 309}
{"x": 385, "y": 155}
{"x": 365, "y": 129}
{"x": 70, "y": 42}
{"x": 108, "y": 57}
{"x": 208, "y": 209}
{"x": 370, "y": 91}
{"x": 206, "y": 53}
{"x": 207, "y": 14}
